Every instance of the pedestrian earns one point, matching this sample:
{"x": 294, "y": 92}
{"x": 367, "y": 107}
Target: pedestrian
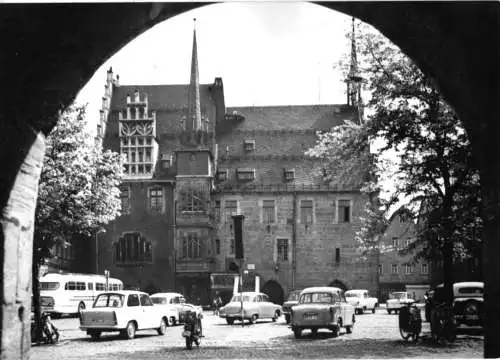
{"x": 217, "y": 303}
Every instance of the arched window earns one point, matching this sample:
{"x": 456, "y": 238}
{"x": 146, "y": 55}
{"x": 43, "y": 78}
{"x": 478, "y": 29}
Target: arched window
{"x": 191, "y": 246}
{"x": 133, "y": 248}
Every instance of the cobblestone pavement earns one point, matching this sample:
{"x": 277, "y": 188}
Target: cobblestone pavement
{"x": 374, "y": 336}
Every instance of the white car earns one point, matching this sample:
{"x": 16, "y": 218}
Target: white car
{"x": 126, "y": 311}
{"x": 361, "y": 300}
{"x": 176, "y": 303}
{"x": 256, "y": 306}
{"x": 397, "y": 300}
{"x": 322, "y": 308}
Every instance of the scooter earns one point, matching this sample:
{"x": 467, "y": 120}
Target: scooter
{"x": 50, "y": 333}
{"x": 192, "y": 329}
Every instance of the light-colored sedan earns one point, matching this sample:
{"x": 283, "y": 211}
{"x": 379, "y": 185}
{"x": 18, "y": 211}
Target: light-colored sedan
{"x": 256, "y": 306}
{"x": 322, "y": 308}
{"x": 397, "y": 300}
{"x": 361, "y": 300}
{"x": 177, "y": 303}
{"x": 125, "y": 311}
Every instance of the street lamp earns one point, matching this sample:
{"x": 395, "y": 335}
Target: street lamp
{"x": 101, "y": 231}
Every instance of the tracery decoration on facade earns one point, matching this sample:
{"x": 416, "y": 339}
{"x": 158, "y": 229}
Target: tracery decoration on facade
{"x": 132, "y": 248}
{"x": 192, "y": 200}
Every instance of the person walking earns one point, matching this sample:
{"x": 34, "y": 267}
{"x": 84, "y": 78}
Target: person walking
{"x": 217, "y": 303}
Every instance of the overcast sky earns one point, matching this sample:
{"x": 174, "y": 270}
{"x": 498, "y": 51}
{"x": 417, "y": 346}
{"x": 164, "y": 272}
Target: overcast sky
{"x": 271, "y": 53}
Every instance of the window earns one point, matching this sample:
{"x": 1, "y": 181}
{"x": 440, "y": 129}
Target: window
{"x": 282, "y": 247}
{"x": 217, "y": 210}
{"x": 74, "y": 285}
{"x": 408, "y": 269}
{"x": 394, "y": 269}
{"x": 165, "y": 158}
{"x": 337, "y": 255}
{"x": 380, "y": 269}
{"x": 344, "y": 211}
{"x": 249, "y": 145}
{"x": 192, "y": 200}
{"x": 156, "y": 199}
{"x": 222, "y": 175}
{"x": 395, "y": 242}
{"x": 245, "y": 174}
{"x": 424, "y": 269}
{"x": 289, "y": 174}
{"x": 191, "y": 246}
{"x": 217, "y": 246}
{"x": 230, "y": 208}
{"x": 133, "y": 300}
{"x": 90, "y": 286}
{"x": 133, "y": 248}
{"x": 145, "y": 300}
{"x": 268, "y": 211}
{"x": 125, "y": 200}
{"x": 100, "y": 287}
{"x": 306, "y": 212}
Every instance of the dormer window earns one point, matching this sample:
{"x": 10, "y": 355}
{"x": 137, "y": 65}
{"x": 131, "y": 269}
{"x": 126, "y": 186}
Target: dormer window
{"x": 222, "y": 174}
{"x": 166, "y": 160}
{"x": 246, "y": 174}
{"x": 249, "y": 145}
{"x": 288, "y": 174}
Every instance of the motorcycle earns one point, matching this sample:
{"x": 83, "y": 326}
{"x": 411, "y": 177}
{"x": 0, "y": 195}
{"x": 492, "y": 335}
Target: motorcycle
{"x": 410, "y": 322}
{"x": 192, "y": 329}
{"x": 443, "y": 324}
{"x": 50, "y": 333}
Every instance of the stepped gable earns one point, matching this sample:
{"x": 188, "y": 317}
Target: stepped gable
{"x": 160, "y": 97}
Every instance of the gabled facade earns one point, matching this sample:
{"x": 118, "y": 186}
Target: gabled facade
{"x": 192, "y": 163}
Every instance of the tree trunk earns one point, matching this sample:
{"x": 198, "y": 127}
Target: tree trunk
{"x": 36, "y": 296}
{"x": 447, "y": 250}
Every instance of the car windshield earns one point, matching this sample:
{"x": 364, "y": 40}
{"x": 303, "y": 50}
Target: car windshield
{"x": 46, "y": 285}
{"x": 398, "y": 295}
{"x": 109, "y": 300}
{"x": 294, "y": 296}
{"x": 159, "y": 300}
{"x": 237, "y": 298}
{"x": 316, "y": 298}
{"x": 348, "y": 294}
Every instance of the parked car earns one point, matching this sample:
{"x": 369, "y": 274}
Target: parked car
{"x": 178, "y": 303}
{"x": 293, "y": 299}
{"x": 361, "y": 300}
{"x": 126, "y": 311}
{"x": 397, "y": 300}
{"x": 322, "y": 307}
{"x": 256, "y": 306}
{"x": 468, "y": 299}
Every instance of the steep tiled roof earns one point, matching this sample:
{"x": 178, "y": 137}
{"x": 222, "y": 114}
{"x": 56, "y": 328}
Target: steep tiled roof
{"x": 160, "y": 97}
{"x": 289, "y": 117}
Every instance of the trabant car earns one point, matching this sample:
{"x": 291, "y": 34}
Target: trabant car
{"x": 361, "y": 300}
{"x": 322, "y": 308}
{"x": 256, "y": 306}
{"x": 126, "y": 311}
{"x": 468, "y": 299}
{"x": 177, "y": 303}
{"x": 293, "y": 299}
{"x": 397, "y": 300}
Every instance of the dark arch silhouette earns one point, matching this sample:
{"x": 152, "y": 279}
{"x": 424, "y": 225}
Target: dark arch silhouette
{"x": 338, "y": 283}
{"x": 275, "y": 292}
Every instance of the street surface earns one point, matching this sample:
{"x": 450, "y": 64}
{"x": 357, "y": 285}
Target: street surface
{"x": 374, "y": 336}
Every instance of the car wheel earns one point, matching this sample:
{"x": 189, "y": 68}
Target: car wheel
{"x": 335, "y": 331}
{"x": 373, "y": 310}
{"x": 348, "y": 329}
{"x": 130, "y": 330}
{"x": 276, "y": 315}
{"x": 253, "y": 319}
{"x": 297, "y": 332}
{"x": 389, "y": 311}
{"x": 173, "y": 321}
{"x": 95, "y": 335}
{"x": 230, "y": 321}
{"x": 81, "y": 306}
{"x": 288, "y": 318}
{"x": 163, "y": 327}
{"x": 314, "y": 332}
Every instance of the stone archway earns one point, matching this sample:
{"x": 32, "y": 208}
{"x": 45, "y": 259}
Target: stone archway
{"x": 46, "y": 67}
{"x": 274, "y": 290}
{"x": 338, "y": 283}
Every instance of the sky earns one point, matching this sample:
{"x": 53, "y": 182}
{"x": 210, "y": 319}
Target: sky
{"x": 267, "y": 53}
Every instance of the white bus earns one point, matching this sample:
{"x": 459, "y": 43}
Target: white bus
{"x": 71, "y": 293}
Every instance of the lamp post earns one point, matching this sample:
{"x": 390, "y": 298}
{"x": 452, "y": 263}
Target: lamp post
{"x": 100, "y": 231}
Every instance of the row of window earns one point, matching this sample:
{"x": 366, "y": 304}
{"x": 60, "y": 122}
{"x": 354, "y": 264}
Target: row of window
{"x": 269, "y": 211}
{"x": 80, "y": 285}
{"x": 409, "y": 269}
{"x": 155, "y": 199}
{"x": 249, "y": 174}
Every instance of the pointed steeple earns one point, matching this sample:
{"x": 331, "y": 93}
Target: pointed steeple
{"x": 354, "y": 78}
{"x": 193, "y": 123}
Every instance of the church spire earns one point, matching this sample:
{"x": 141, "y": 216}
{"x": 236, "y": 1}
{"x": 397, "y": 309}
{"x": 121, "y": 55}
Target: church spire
{"x": 354, "y": 79}
{"x": 193, "y": 123}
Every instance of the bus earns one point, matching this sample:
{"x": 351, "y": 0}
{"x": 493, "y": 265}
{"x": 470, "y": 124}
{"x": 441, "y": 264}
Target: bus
{"x": 70, "y": 293}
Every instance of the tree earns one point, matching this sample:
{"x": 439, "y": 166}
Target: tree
{"x": 78, "y": 191}
{"x": 434, "y": 169}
